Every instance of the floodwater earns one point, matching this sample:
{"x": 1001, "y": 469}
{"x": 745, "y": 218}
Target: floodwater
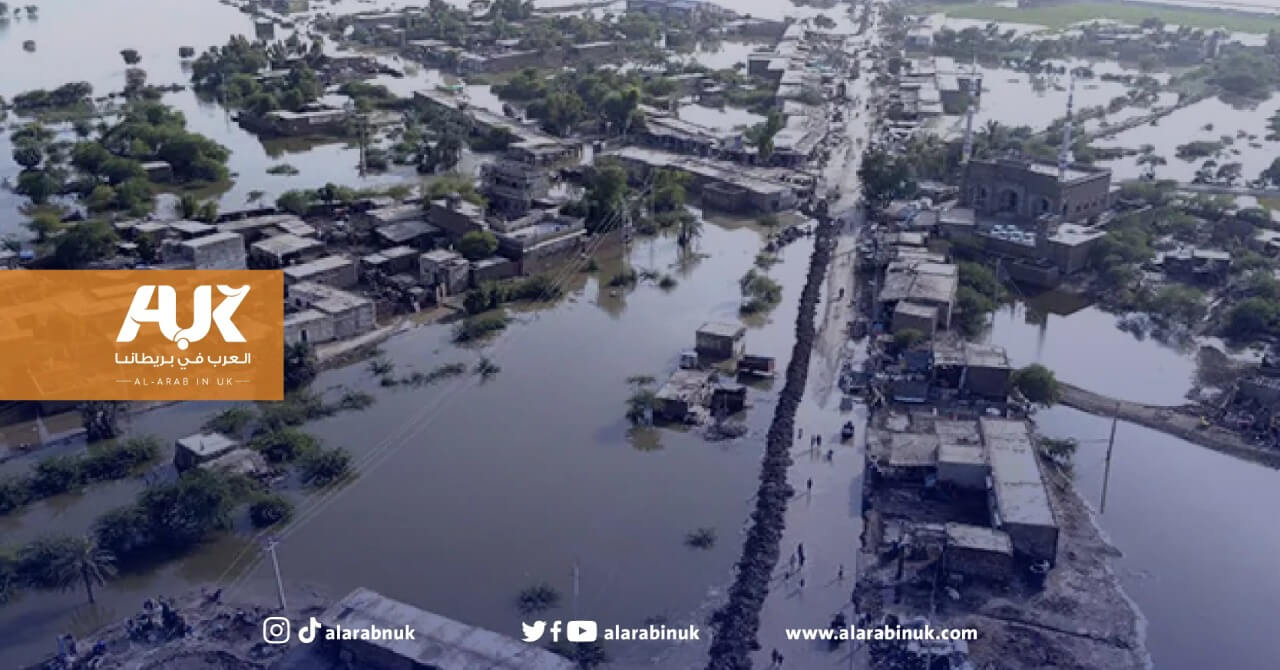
{"x": 719, "y": 55}
{"x": 71, "y": 45}
{"x": 1015, "y": 98}
{"x": 1192, "y": 523}
{"x": 1207, "y": 120}
{"x": 725, "y": 118}
{"x": 1082, "y": 345}
{"x": 1196, "y": 528}
{"x": 478, "y": 490}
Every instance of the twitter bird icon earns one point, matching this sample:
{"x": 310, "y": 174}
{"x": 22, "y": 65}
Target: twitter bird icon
{"x": 533, "y": 632}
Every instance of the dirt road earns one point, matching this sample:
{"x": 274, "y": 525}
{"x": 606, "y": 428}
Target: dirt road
{"x": 1172, "y": 420}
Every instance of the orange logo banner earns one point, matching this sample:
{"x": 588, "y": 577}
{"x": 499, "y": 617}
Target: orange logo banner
{"x": 141, "y": 335}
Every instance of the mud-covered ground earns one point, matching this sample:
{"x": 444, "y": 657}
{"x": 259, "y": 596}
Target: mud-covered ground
{"x": 1081, "y": 619}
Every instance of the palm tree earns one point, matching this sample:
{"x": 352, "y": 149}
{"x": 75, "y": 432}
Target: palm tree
{"x": 101, "y": 419}
{"x": 65, "y": 562}
{"x": 994, "y": 135}
{"x": 690, "y": 229}
{"x": 90, "y": 564}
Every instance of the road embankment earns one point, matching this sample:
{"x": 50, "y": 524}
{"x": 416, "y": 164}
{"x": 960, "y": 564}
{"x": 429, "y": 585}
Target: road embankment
{"x": 735, "y": 625}
{"x": 1181, "y": 422}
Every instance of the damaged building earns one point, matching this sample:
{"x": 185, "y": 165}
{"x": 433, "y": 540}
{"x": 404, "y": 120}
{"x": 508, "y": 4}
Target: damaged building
{"x": 998, "y": 509}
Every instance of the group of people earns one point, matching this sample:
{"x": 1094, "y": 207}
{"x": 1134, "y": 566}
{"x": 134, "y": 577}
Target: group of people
{"x": 145, "y": 627}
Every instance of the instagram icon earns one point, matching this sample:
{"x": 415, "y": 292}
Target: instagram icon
{"x": 275, "y": 630}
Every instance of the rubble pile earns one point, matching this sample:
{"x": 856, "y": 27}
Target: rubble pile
{"x": 734, "y": 625}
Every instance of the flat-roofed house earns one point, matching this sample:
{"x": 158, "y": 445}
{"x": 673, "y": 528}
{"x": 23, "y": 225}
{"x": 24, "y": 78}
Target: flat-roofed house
{"x": 192, "y": 450}
{"x": 337, "y": 271}
{"x": 977, "y": 551}
{"x": 284, "y": 249}
{"x": 445, "y": 272}
{"x": 254, "y": 228}
{"x": 716, "y": 340}
{"x": 415, "y": 233}
{"x": 1018, "y": 499}
{"x": 350, "y": 314}
{"x": 216, "y": 251}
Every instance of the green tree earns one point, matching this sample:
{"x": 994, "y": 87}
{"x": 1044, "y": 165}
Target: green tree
{"x": 690, "y": 228}
{"x": 300, "y": 365}
{"x": 83, "y": 244}
{"x": 54, "y": 475}
{"x": 185, "y": 512}
{"x": 123, "y": 531}
{"x": 606, "y": 194}
{"x": 39, "y": 185}
{"x": 295, "y": 202}
{"x": 972, "y": 309}
{"x": 231, "y": 421}
{"x": 135, "y": 196}
{"x": 477, "y": 244}
{"x": 101, "y": 419}
{"x": 762, "y": 134}
{"x": 325, "y": 466}
{"x": 1251, "y": 318}
{"x": 188, "y": 205}
{"x": 885, "y": 178}
{"x": 101, "y": 198}
{"x": 285, "y": 445}
{"x": 28, "y": 156}
{"x": 89, "y": 157}
{"x": 1037, "y": 384}
{"x": 981, "y": 279}
{"x": 619, "y": 110}
{"x": 64, "y": 563}
{"x": 669, "y": 189}
{"x": 44, "y": 226}
{"x": 117, "y": 170}
{"x": 269, "y": 510}
{"x": 208, "y": 211}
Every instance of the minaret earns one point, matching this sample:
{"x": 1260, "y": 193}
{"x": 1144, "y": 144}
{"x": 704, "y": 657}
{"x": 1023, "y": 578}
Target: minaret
{"x": 968, "y": 134}
{"x": 1064, "y": 152}
{"x": 968, "y": 116}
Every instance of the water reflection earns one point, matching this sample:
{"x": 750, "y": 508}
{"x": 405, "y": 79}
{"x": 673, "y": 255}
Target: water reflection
{"x": 1084, "y": 347}
{"x": 1191, "y": 524}
{"x": 1207, "y": 120}
{"x": 473, "y": 492}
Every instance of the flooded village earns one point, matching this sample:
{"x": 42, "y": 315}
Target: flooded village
{"x": 748, "y": 317}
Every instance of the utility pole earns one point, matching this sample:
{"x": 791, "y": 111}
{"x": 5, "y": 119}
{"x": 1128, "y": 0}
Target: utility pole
{"x": 275, "y": 563}
{"x": 1106, "y": 477}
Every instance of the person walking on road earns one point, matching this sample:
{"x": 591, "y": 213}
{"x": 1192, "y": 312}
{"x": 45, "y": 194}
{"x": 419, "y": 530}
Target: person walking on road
{"x": 800, "y": 553}
{"x": 840, "y": 573}
{"x": 809, "y": 485}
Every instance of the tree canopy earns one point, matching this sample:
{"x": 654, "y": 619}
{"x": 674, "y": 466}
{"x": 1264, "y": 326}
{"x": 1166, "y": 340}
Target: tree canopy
{"x": 477, "y": 244}
{"x": 1037, "y": 384}
{"x": 885, "y": 178}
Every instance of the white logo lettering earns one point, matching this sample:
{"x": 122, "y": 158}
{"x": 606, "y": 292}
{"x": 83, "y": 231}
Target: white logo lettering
{"x": 165, "y": 314}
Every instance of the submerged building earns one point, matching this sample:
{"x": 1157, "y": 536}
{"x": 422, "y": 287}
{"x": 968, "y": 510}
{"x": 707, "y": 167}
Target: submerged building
{"x": 1023, "y": 189}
